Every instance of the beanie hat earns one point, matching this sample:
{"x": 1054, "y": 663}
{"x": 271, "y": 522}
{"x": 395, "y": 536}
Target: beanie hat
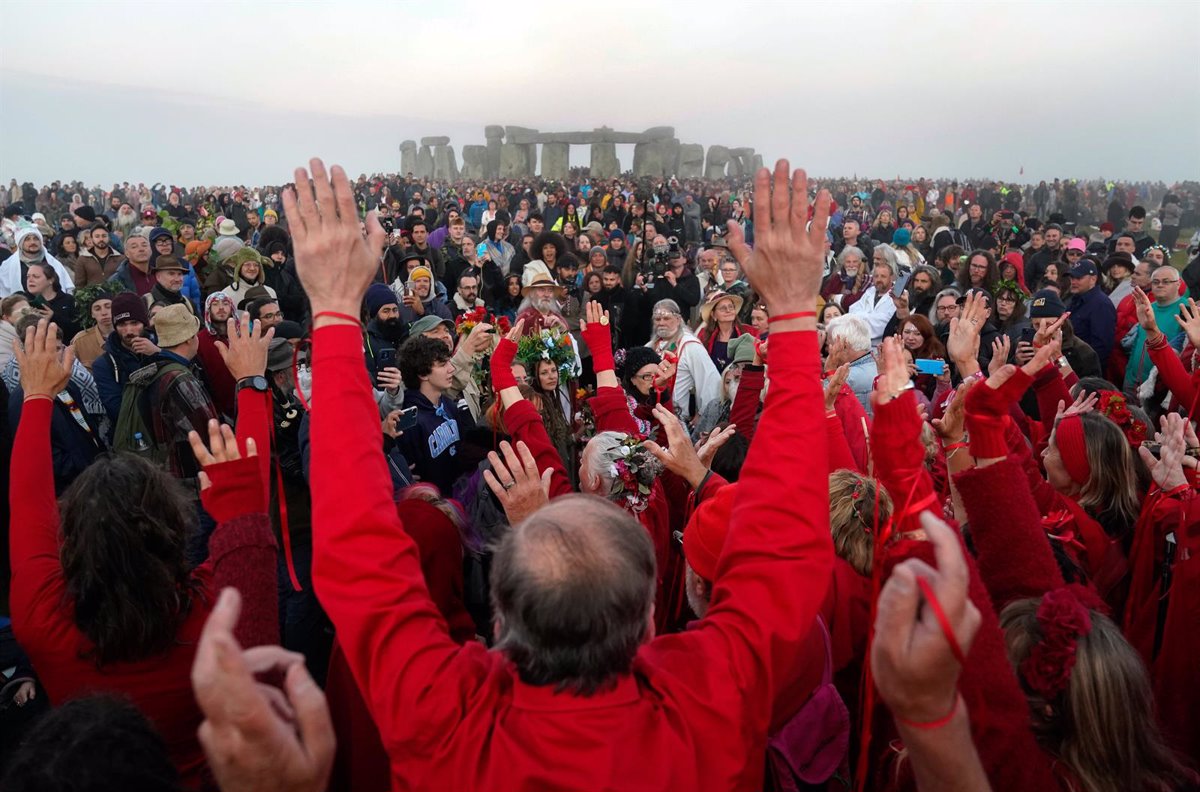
{"x": 127, "y": 307}
{"x": 902, "y": 237}
{"x": 741, "y": 349}
{"x": 1107, "y": 227}
{"x": 86, "y": 213}
{"x": 378, "y": 296}
{"x": 1046, "y": 305}
{"x": 634, "y": 358}
{"x": 420, "y": 272}
{"x": 705, "y": 534}
{"x": 1068, "y": 436}
{"x": 616, "y": 233}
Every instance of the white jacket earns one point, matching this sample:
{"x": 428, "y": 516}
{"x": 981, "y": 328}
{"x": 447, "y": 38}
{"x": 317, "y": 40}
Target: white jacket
{"x": 696, "y": 374}
{"x": 877, "y": 316}
{"x": 10, "y": 270}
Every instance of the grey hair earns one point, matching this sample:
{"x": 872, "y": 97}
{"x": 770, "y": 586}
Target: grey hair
{"x": 854, "y": 330}
{"x": 848, "y": 251}
{"x": 949, "y": 291}
{"x": 890, "y": 255}
{"x": 597, "y": 459}
{"x": 667, "y": 305}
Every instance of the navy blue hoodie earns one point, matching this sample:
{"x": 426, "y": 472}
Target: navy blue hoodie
{"x": 433, "y": 444}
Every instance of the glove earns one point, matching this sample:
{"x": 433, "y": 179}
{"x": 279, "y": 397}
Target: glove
{"x": 501, "y": 366}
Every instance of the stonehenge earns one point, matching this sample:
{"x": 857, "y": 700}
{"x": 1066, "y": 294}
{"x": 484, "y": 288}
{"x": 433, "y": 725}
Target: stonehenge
{"x": 512, "y": 152}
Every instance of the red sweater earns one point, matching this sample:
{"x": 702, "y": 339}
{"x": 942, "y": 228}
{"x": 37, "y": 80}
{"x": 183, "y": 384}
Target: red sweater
{"x": 241, "y": 554}
{"x": 693, "y": 714}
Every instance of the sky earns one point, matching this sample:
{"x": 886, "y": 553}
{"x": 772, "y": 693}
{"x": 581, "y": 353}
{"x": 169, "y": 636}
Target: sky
{"x": 227, "y": 93}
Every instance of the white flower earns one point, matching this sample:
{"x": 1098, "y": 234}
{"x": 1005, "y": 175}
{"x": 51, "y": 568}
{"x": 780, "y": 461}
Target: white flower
{"x": 545, "y": 355}
{"x": 625, "y": 450}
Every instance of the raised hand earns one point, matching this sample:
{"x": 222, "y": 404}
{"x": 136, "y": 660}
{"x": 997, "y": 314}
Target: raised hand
{"x": 1084, "y": 403}
{"x": 1189, "y": 319}
{"x": 950, "y": 426}
{"x": 914, "y": 662}
{"x": 1167, "y": 468}
{"x": 708, "y": 449}
{"x": 893, "y": 373}
{"x": 333, "y": 260}
{"x": 963, "y": 342}
{"x": 833, "y": 385}
{"x": 1051, "y": 331}
{"x": 245, "y": 351}
{"x": 43, "y": 372}
{"x": 1001, "y": 347}
{"x": 1145, "y": 313}
{"x": 516, "y": 483}
{"x": 258, "y": 738}
{"x": 680, "y": 457}
{"x": 786, "y": 264}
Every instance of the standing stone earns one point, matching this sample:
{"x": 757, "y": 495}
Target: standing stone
{"x": 491, "y": 163}
{"x": 424, "y": 163}
{"x": 605, "y": 164}
{"x": 474, "y": 159}
{"x": 556, "y": 161}
{"x": 691, "y": 161}
{"x": 741, "y": 162}
{"x": 434, "y": 141}
{"x": 514, "y": 161}
{"x": 529, "y": 157}
{"x": 758, "y": 162}
{"x": 718, "y": 158}
{"x": 444, "y": 165}
{"x": 408, "y": 157}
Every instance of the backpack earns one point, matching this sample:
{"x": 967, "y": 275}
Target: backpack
{"x": 133, "y": 433}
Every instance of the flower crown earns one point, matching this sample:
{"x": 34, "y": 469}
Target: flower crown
{"x": 1114, "y": 406}
{"x": 553, "y": 345}
{"x": 1009, "y": 286}
{"x": 1064, "y": 616}
{"x": 633, "y": 474}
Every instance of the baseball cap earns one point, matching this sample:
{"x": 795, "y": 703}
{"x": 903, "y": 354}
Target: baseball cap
{"x": 1084, "y": 268}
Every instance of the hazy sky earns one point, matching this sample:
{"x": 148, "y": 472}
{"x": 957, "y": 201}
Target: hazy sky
{"x": 220, "y": 93}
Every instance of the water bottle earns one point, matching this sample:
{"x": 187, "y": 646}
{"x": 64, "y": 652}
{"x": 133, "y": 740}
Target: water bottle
{"x": 140, "y": 445}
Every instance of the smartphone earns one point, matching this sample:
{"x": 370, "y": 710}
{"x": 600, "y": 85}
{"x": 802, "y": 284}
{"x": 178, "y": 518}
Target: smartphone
{"x": 898, "y": 287}
{"x": 927, "y": 366}
{"x": 385, "y": 359}
{"x": 408, "y": 419}
{"x": 481, "y": 249}
{"x": 1027, "y": 335}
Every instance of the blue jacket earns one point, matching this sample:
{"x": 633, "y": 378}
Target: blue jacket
{"x": 433, "y": 444}
{"x": 111, "y": 371}
{"x": 1094, "y": 318}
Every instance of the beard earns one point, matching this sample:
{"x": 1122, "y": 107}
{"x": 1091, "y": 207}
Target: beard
{"x": 544, "y": 305}
{"x": 664, "y": 333}
{"x": 391, "y": 329}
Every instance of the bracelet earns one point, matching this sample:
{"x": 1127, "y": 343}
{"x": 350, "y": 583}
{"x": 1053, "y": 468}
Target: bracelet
{"x": 797, "y": 315}
{"x": 956, "y": 446}
{"x": 831, "y": 414}
{"x": 336, "y": 315}
{"x": 933, "y": 724}
{"x": 33, "y": 396}
{"x": 1176, "y": 490}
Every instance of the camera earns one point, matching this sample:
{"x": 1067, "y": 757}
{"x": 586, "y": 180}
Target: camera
{"x": 387, "y": 223}
{"x": 657, "y": 258}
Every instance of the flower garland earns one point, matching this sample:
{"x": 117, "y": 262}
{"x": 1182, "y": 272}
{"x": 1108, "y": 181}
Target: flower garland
{"x": 1114, "y": 406}
{"x": 1063, "y": 616}
{"x": 633, "y": 474}
{"x": 466, "y": 321}
{"x": 553, "y": 345}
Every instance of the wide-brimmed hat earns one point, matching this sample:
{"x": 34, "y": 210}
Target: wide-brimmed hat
{"x": 535, "y": 274}
{"x": 711, "y": 303}
{"x": 166, "y": 263}
{"x": 227, "y": 228}
{"x": 175, "y": 324}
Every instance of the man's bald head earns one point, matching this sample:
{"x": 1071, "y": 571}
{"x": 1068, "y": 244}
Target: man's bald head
{"x": 573, "y": 588}
{"x": 1164, "y": 285}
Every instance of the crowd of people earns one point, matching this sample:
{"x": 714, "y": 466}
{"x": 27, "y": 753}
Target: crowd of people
{"x": 747, "y": 484}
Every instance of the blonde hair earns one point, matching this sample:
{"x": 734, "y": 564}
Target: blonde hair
{"x": 1111, "y": 492}
{"x": 1102, "y": 726}
{"x": 856, "y": 505}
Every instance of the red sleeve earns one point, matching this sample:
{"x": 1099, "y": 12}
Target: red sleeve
{"x": 37, "y": 583}
{"x": 1172, "y": 372}
{"x": 840, "y": 457}
{"x": 744, "y": 412}
{"x": 525, "y": 425}
{"x": 774, "y": 570}
{"x": 1014, "y": 555}
{"x": 612, "y": 412}
{"x": 854, "y": 417}
{"x": 366, "y": 571}
{"x": 1050, "y": 389}
{"x": 899, "y": 459}
{"x": 254, "y": 420}
{"x": 242, "y": 554}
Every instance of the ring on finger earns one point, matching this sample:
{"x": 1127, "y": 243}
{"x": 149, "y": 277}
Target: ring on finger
{"x": 509, "y": 485}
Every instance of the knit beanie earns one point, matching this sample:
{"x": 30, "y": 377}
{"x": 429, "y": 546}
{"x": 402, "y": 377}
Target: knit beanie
{"x": 705, "y": 534}
{"x": 1068, "y": 437}
{"x": 902, "y": 237}
{"x": 635, "y": 358}
{"x": 1046, "y": 305}
{"x": 377, "y": 297}
{"x": 128, "y": 306}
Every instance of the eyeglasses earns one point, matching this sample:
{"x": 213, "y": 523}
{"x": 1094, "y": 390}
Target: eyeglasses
{"x": 1074, "y": 252}
{"x": 644, "y": 377}
{"x": 1163, "y": 282}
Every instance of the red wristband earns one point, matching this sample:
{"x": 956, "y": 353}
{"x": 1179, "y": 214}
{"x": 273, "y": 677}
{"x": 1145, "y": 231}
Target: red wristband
{"x": 954, "y": 446}
{"x": 933, "y": 724}
{"x": 336, "y": 315}
{"x": 796, "y": 315}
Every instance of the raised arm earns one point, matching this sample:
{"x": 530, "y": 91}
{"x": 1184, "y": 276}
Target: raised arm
{"x": 33, "y": 533}
{"x": 609, "y": 404}
{"x": 245, "y": 356}
{"x": 521, "y": 418}
{"x": 366, "y": 569}
{"x": 774, "y": 570}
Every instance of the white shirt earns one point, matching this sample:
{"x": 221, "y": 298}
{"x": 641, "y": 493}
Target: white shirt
{"x": 696, "y": 374}
{"x": 877, "y": 315}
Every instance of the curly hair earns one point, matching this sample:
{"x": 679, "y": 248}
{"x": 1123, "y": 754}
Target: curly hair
{"x": 418, "y": 356}
{"x": 124, "y": 526}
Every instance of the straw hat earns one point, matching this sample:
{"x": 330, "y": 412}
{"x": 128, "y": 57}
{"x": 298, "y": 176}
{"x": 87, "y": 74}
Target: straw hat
{"x": 535, "y": 274}
{"x": 716, "y": 297}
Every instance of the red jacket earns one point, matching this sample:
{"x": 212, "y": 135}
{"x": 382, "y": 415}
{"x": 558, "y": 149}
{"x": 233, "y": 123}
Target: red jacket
{"x": 693, "y": 713}
{"x": 241, "y": 554}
